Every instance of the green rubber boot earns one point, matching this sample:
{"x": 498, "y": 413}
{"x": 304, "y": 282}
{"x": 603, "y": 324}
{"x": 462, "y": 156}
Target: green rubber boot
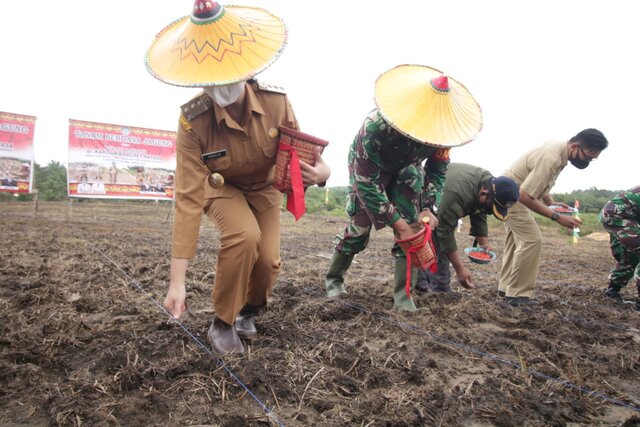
{"x": 401, "y": 301}
{"x": 334, "y": 280}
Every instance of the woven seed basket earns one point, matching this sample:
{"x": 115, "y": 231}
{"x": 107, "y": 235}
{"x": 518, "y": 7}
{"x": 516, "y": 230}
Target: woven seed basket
{"x": 304, "y": 144}
{"x": 420, "y": 248}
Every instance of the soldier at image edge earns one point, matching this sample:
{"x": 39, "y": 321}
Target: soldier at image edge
{"x": 621, "y": 218}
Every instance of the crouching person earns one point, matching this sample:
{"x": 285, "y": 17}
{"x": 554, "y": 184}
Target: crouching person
{"x": 621, "y": 218}
{"x": 230, "y": 129}
{"x": 468, "y": 190}
{"x": 388, "y": 184}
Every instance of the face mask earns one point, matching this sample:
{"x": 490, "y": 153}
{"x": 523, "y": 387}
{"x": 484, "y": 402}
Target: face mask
{"x": 225, "y": 95}
{"x": 487, "y": 207}
{"x": 579, "y": 163}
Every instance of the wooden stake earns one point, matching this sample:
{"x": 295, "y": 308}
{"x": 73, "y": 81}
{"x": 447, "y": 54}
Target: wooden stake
{"x": 35, "y": 202}
{"x": 170, "y": 213}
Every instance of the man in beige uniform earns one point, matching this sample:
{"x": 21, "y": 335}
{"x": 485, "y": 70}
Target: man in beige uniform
{"x": 231, "y": 130}
{"x": 536, "y": 173}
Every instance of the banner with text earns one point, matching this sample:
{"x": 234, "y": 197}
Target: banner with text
{"x": 120, "y": 162}
{"x": 16, "y": 152}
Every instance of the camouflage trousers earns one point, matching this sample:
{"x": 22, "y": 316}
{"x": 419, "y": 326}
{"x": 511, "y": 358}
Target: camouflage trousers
{"x": 355, "y": 237}
{"x": 625, "y": 248}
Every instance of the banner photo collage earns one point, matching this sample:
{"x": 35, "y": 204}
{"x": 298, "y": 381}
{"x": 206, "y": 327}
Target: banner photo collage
{"x": 124, "y": 162}
{"x": 16, "y": 152}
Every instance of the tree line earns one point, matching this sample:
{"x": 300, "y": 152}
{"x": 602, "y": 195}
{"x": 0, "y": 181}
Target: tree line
{"x": 51, "y": 183}
{"x": 590, "y": 201}
{"x": 49, "y": 180}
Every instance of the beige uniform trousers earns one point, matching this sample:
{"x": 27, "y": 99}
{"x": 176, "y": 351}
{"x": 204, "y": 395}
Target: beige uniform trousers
{"x": 249, "y": 254}
{"x": 521, "y": 253}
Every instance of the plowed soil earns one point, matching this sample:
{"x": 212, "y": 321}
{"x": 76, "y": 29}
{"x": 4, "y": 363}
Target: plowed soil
{"x": 84, "y": 340}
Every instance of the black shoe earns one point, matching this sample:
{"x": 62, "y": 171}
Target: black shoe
{"x": 520, "y": 301}
{"x": 501, "y": 294}
{"x": 613, "y": 294}
{"x": 224, "y": 339}
{"x": 245, "y": 326}
{"x": 423, "y": 286}
{"x": 442, "y": 288}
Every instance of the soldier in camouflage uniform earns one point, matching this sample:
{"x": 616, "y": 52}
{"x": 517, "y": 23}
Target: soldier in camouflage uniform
{"x": 621, "y": 218}
{"x": 389, "y": 186}
{"x": 386, "y": 182}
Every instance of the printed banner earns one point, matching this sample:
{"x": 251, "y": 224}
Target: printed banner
{"x": 120, "y": 162}
{"x": 16, "y": 152}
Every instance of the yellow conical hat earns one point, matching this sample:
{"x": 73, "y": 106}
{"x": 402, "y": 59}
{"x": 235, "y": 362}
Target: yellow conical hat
{"x": 216, "y": 45}
{"x": 427, "y": 106}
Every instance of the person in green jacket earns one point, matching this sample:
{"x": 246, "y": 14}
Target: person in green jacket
{"x": 468, "y": 190}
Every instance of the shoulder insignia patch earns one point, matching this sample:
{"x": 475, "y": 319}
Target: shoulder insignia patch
{"x": 271, "y": 88}
{"x": 196, "y": 106}
{"x": 442, "y": 154}
{"x": 185, "y": 123}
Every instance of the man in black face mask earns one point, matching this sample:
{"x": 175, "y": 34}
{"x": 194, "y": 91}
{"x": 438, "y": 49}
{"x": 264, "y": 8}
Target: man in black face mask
{"x": 536, "y": 173}
{"x": 468, "y": 190}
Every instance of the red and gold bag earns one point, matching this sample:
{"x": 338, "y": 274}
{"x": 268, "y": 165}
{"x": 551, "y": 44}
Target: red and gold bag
{"x": 420, "y": 252}
{"x": 294, "y": 147}
{"x": 301, "y": 143}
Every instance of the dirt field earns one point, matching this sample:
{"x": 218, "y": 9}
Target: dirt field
{"x": 84, "y": 342}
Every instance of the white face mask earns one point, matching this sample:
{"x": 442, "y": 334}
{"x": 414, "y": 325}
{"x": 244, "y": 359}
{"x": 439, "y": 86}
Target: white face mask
{"x": 225, "y": 95}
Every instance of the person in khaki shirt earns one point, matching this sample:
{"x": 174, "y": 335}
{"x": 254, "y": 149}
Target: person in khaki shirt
{"x": 231, "y": 129}
{"x": 536, "y": 173}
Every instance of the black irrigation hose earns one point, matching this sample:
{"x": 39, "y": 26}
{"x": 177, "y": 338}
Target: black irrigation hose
{"x": 404, "y": 325}
{"x": 486, "y": 355}
{"x": 590, "y": 321}
{"x": 219, "y": 361}
{"x": 596, "y": 323}
{"x": 619, "y": 308}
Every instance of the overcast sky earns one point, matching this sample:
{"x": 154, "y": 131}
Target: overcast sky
{"x": 540, "y": 70}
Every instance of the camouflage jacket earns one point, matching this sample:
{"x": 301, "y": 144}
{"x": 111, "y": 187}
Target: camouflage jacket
{"x": 380, "y": 156}
{"x": 622, "y": 208}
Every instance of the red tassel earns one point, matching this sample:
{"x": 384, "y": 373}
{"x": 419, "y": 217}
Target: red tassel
{"x": 295, "y": 199}
{"x": 407, "y": 283}
{"x": 433, "y": 268}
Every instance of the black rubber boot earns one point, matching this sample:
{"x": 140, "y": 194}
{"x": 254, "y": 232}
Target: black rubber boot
{"x": 613, "y": 293}
{"x": 422, "y": 284}
{"x": 441, "y": 287}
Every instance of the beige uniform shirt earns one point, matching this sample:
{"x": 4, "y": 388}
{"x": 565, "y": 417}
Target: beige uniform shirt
{"x": 248, "y": 165}
{"x": 536, "y": 171}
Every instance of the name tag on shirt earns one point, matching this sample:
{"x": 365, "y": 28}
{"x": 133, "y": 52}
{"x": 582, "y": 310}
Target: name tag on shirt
{"x": 214, "y": 155}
